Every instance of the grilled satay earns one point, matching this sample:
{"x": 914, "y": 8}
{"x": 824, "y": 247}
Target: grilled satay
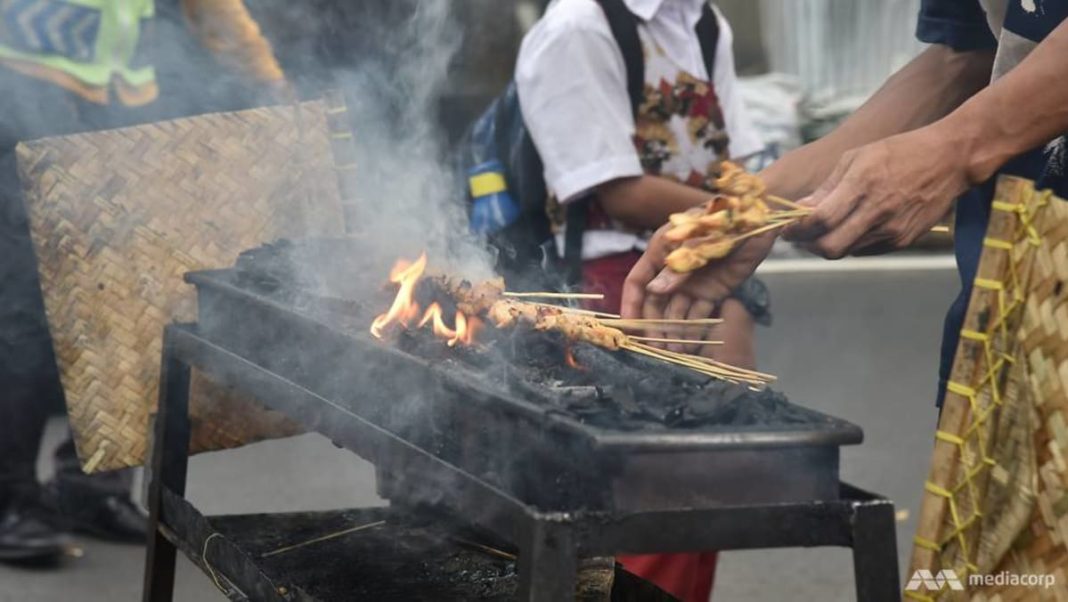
{"x": 582, "y": 328}
{"x": 695, "y": 254}
{"x": 703, "y": 233}
{"x": 735, "y": 181}
{"x": 487, "y": 299}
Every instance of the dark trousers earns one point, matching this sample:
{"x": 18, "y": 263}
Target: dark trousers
{"x": 29, "y": 380}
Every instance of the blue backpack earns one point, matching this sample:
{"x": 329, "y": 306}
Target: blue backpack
{"x": 506, "y": 187}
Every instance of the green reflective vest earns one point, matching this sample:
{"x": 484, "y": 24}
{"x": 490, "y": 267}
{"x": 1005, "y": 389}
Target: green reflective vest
{"x": 94, "y": 42}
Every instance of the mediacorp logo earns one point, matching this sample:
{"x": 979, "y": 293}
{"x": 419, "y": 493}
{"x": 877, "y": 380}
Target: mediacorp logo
{"x": 923, "y": 579}
{"x": 947, "y": 578}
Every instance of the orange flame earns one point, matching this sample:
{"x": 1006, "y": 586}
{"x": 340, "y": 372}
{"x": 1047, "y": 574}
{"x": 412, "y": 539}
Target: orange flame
{"x": 404, "y": 309}
{"x": 466, "y": 329}
{"x": 463, "y": 333}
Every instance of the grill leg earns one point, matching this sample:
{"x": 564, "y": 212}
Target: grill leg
{"x": 875, "y": 553}
{"x": 548, "y": 564}
{"x": 169, "y": 460}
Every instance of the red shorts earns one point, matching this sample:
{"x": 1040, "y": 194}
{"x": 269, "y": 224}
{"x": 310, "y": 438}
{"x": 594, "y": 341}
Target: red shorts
{"x": 686, "y": 576}
{"x": 605, "y": 275}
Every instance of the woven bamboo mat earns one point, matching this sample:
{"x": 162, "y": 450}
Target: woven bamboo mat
{"x": 996, "y": 498}
{"x": 119, "y": 216}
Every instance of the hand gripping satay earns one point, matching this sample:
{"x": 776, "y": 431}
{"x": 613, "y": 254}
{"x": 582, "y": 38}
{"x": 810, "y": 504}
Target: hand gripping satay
{"x": 709, "y": 231}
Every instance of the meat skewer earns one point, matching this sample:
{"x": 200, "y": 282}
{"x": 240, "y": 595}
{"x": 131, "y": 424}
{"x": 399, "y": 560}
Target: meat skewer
{"x": 488, "y": 300}
{"x": 504, "y": 312}
{"x": 739, "y": 210}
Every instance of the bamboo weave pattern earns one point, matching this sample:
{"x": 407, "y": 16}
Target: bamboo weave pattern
{"x": 996, "y": 498}
{"x": 119, "y": 216}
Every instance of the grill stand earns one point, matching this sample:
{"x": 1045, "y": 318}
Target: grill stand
{"x": 549, "y": 543}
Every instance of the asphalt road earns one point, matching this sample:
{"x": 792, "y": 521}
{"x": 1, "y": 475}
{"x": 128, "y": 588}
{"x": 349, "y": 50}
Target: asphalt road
{"x": 861, "y": 345}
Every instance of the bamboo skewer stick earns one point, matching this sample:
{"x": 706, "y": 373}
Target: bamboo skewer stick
{"x": 761, "y": 376}
{"x": 787, "y": 203}
{"x": 674, "y": 341}
{"x": 778, "y": 215}
{"x": 726, "y": 372}
{"x": 322, "y": 539}
{"x": 594, "y": 296}
{"x": 680, "y": 329}
{"x": 762, "y": 230}
{"x": 575, "y": 310}
{"x": 706, "y": 370}
{"x": 485, "y": 549}
{"x": 742, "y": 372}
{"x": 658, "y": 321}
{"x": 802, "y": 210}
{"x": 750, "y": 374}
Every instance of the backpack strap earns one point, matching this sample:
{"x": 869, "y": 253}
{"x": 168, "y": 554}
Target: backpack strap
{"x": 624, "y": 26}
{"x": 708, "y": 34}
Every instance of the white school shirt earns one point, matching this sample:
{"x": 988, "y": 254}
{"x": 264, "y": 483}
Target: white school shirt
{"x": 572, "y": 85}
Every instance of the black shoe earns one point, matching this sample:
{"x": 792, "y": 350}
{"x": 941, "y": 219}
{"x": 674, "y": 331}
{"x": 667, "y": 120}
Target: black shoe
{"x": 27, "y": 536}
{"x": 110, "y": 517}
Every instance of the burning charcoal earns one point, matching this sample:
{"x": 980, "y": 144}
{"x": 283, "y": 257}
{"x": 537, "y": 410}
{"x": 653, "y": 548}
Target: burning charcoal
{"x": 677, "y": 415}
{"x": 705, "y": 406}
{"x": 624, "y": 399}
{"x": 583, "y": 401}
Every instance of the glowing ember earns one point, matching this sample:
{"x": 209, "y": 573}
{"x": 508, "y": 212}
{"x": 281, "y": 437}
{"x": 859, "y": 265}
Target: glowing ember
{"x": 405, "y": 310}
{"x": 569, "y": 357}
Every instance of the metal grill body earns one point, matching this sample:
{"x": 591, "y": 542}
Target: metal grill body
{"x": 537, "y": 481}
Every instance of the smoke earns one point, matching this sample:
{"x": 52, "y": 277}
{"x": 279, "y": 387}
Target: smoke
{"x": 392, "y": 59}
{"x": 410, "y": 198}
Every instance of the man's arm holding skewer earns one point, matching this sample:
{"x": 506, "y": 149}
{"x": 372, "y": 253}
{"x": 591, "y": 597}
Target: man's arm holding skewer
{"x": 930, "y": 87}
{"x": 925, "y": 90}
{"x": 885, "y": 195}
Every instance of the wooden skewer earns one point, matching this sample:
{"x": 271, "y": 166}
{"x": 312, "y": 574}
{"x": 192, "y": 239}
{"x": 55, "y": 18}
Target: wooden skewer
{"x": 595, "y": 296}
{"x": 658, "y": 321}
{"x": 786, "y": 203}
{"x": 721, "y": 370}
{"x": 761, "y": 376}
{"x": 322, "y": 539}
{"x": 762, "y": 230}
{"x": 777, "y": 215}
{"x": 675, "y": 341}
{"x": 665, "y": 328}
{"x": 641, "y": 350}
{"x": 746, "y": 374}
{"x": 684, "y": 359}
{"x": 802, "y": 210}
{"x": 581, "y": 312}
{"x": 751, "y": 375}
{"x": 485, "y": 548}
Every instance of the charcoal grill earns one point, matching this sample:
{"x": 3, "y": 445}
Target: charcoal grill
{"x": 517, "y": 468}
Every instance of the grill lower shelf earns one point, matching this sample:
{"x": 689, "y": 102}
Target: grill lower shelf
{"x": 402, "y": 557}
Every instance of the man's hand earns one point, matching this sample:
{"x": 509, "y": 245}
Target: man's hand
{"x": 653, "y": 291}
{"x": 883, "y": 196}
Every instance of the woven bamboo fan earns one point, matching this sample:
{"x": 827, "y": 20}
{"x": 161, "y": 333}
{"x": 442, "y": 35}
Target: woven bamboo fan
{"x": 996, "y": 499}
{"x": 119, "y": 216}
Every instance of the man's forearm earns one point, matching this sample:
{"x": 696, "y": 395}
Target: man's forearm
{"x": 927, "y": 89}
{"x": 1025, "y": 109}
{"x": 647, "y": 201}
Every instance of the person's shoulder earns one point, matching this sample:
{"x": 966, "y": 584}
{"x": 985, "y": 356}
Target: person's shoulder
{"x": 567, "y": 18}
